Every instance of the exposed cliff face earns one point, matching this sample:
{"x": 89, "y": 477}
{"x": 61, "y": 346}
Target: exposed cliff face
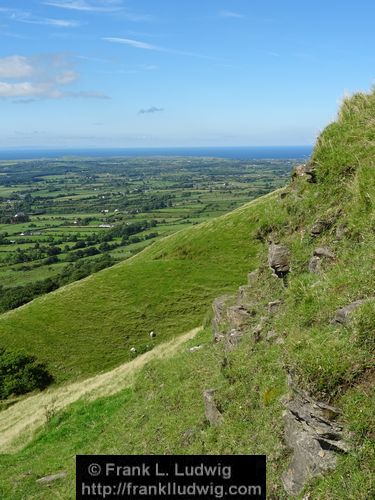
{"x": 312, "y": 429}
{"x": 319, "y": 241}
{"x": 314, "y": 435}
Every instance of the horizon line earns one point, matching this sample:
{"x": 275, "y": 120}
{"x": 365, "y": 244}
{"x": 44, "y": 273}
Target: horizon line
{"x": 53, "y": 148}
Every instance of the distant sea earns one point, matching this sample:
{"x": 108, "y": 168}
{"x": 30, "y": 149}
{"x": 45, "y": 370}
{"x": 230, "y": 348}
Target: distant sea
{"x": 237, "y": 153}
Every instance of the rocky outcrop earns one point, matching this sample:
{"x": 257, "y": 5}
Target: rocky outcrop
{"x": 320, "y": 253}
{"x": 315, "y": 438}
{"x": 311, "y": 429}
{"x": 238, "y": 317}
{"x": 232, "y": 339}
{"x": 219, "y": 308}
{"x": 324, "y": 252}
{"x": 325, "y": 223}
{"x": 306, "y": 170}
{"x": 319, "y": 227}
{"x": 343, "y": 315}
{"x": 212, "y": 413}
{"x": 278, "y": 259}
{"x": 234, "y": 314}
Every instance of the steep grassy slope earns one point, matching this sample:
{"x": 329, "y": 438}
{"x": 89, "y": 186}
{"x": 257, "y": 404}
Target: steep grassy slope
{"x": 91, "y": 325}
{"x": 163, "y": 412}
{"x": 21, "y": 420}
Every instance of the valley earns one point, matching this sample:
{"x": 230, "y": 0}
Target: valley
{"x": 62, "y": 220}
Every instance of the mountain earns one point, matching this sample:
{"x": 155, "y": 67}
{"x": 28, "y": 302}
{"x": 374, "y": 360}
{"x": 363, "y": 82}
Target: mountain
{"x": 297, "y": 337}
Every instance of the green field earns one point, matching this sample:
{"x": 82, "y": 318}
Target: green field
{"x": 57, "y": 212}
{"x": 167, "y": 288}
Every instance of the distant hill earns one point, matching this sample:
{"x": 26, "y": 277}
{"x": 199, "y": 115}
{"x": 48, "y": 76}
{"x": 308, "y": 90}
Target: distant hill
{"x": 309, "y": 323}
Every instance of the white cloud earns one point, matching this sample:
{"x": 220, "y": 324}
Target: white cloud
{"x": 134, "y": 43}
{"x": 58, "y": 23}
{"x": 101, "y": 6}
{"x": 148, "y": 46}
{"x": 23, "y": 16}
{"x": 40, "y": 77}
{"x": 86, "y": 6}
{"x": 22, "y": 89}
{"x": 15, "y": 67}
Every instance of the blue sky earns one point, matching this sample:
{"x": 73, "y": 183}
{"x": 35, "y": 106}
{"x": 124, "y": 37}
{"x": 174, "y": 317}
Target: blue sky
{"x": 139, "y": 73}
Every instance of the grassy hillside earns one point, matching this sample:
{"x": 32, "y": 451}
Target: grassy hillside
{"x": 163, "y": 412}
{"x": 91, "y": 325}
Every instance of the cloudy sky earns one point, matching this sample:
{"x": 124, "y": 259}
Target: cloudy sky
{"x": 138, "y": 73}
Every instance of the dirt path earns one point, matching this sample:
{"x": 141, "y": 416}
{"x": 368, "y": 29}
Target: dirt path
{"x": 19, "y": 422}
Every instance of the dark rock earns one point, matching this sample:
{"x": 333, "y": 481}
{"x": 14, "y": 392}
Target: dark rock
{"x": 315, "y": 265}
{"x": 322, "y": 225}
{"x": 324, "y": 252}
{"x": 305, "y": 170}
{"x": 343, "y": 315}
{"x": 274, "y": 306}
{"x": 238, "y": 317}
{"x": 319, "y": 227}
{"x": 212, "y": 413}
{"x": 52, "y": 477}
{"x": 314, "y": 437}
{"x": 278, "y": 259}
